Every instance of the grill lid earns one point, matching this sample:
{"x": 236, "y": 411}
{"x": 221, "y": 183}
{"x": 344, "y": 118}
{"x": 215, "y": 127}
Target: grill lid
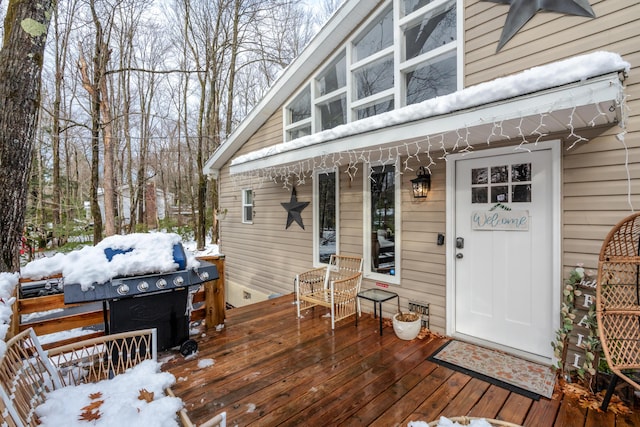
{"x": 124, "y": 287}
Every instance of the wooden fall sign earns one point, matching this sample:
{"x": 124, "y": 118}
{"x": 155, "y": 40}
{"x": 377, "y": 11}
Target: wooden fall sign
{"x": 575, "y": 355}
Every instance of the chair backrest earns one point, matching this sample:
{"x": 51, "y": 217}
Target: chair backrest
{"x": 618, "y": 297}
{"x": 26, "y": 375}
{"x": 341, "y": 267}
{"x": 100, "y": 358}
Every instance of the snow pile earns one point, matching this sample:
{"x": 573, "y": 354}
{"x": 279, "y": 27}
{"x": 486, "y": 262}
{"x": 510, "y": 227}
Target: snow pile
{"x": 209, "y": 250}
{"x": 205, "y": 363}
{"x": 446, "y": 422}
{"x": 8, "y": 282}
{"x": 543, "y": 77}
{"x": 143, "y": 253}
{"x": 120, "y": 403}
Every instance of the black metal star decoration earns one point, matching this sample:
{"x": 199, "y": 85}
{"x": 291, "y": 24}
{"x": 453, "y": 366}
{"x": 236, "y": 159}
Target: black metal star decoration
{"x": 294, "y": 209}
{"x": 522, "y": 10}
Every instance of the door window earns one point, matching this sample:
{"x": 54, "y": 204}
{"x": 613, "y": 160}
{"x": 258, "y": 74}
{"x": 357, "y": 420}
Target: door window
{"x": 509, "y": 183}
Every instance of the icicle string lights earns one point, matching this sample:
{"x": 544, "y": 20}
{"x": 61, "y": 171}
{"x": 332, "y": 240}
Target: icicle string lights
{"x": 436, "y": 146}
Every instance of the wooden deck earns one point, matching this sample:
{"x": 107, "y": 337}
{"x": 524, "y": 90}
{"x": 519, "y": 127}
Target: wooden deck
{"x": 271, "y": 369}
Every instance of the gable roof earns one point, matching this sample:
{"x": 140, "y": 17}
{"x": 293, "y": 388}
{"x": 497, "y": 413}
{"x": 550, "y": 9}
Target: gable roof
{"x": 330, "y": 37}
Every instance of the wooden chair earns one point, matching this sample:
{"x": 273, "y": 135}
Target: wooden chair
{"x": 335, "y": 286}
{"x": 618, "y": 301}
{"x": 28, "y": 373}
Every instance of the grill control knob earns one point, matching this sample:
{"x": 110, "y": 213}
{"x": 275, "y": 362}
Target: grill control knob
{"x": 122, "y": 289}
{"x": 161, "y": 284}
{"x": 178, "y": 281}
{"x": 143, "y": 286}
{"x": 204, "y": 275}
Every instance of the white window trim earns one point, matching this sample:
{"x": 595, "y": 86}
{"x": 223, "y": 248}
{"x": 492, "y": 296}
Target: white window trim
{"x": 244, "y": 204}
{"x": 366, "y": 228}
{"x": 316, "y": 219}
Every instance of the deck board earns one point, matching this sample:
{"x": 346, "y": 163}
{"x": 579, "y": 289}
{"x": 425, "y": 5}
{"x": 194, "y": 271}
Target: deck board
{"x": 271, "y": 368}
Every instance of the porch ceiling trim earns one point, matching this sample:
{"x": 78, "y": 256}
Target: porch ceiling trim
{"x": 594, "y": 102}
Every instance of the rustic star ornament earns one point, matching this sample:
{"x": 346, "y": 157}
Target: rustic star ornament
{"x": 294, "y": 209}
{"x": 521, "y": 11}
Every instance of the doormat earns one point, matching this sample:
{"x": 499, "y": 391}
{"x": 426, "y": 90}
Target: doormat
{"x": 518, "y": 375}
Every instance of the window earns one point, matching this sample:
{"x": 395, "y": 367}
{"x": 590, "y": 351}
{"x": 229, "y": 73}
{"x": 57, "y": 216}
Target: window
{"x": 374, "y": 77}
{"x": 298, "y": 120}
{"x": 377, "y": 108}
{"x": 332, "y": 94}
{"x": 409, "y": 6}
{"x": 325, "y": 224}
{"x": 247, "y": 206}
{"x": 405, "y": 53}
{"x": 384, "y": 197}
{"x": 378, "y": 37}
{"x": 430, "y": 32}
{"x": 431, "y": 79}
{"x": 334, "y": 77}
{"x": 333, "y": 113}
{"x": 502, "y": 184}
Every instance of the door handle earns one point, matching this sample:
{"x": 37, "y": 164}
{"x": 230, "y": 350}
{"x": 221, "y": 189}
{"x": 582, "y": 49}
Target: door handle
{"x": 459, "y": 255}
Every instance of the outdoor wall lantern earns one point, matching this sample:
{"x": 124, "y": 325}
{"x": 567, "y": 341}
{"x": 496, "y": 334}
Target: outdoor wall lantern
{"x": 421, "y": 184}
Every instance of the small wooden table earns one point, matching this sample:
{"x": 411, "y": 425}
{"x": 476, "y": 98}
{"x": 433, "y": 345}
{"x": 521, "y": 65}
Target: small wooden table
{"x": 378, "y": 296}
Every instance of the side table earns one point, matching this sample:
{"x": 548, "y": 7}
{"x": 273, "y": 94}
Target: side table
{"x": 378, "y": 296}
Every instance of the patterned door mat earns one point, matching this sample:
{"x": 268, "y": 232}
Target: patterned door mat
{"x": 518, "y": 375}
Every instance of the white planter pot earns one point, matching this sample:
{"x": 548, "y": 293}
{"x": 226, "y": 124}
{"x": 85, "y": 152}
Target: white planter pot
{"x": 406, "y": 330}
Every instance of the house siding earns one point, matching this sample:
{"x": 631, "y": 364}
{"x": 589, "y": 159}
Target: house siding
{"x": 596, "y": 192}
{"x": 597, "y": 188}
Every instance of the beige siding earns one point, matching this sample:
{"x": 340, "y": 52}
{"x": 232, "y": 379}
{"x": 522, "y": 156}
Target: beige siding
{"x": 262, "y": 255}
{"x": 598, "y": 189}
{"x": 269, "y": 134}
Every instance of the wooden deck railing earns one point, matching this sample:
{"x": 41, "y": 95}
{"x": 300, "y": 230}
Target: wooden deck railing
{"x": 209, "y": 300}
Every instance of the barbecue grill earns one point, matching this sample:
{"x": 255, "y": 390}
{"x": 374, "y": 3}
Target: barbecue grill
{"x": 158, "y": 300}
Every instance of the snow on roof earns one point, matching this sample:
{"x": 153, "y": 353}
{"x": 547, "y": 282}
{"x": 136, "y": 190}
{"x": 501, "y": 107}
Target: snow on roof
{"x": 535, "y": 79}
{"x": 147, "y": 253}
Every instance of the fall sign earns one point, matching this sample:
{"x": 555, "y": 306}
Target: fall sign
{"x": 583, "y": 328}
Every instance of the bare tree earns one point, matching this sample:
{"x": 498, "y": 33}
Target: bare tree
{"x": 149, "y": 111}
{"x": 25, "y": 34}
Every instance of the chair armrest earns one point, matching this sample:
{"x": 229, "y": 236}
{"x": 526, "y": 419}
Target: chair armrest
{"x": 346, "y": 289}
{"x": 103, "y": 357}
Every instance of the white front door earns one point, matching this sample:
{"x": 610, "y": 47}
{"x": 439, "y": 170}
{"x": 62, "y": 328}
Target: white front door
{"x": 504, "y": 250}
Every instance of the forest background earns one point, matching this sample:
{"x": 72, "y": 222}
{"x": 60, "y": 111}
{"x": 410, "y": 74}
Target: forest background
{"x": 136, "y": 95}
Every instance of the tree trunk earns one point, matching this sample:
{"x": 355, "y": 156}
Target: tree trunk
{"x": 25, "y": 34}
{"x": 109, "y": 153}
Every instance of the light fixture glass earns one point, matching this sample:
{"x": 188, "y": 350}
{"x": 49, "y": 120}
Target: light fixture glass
{"x": 421, "y": 184}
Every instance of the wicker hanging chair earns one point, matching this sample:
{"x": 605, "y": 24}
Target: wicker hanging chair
{"x": 618, "y": 301}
